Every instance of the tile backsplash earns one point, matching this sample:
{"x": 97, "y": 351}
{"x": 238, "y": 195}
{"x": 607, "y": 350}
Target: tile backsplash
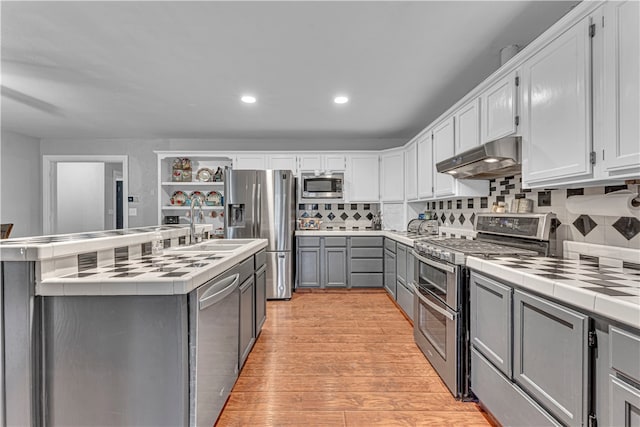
{"x": 618, "y": 230}
{"x": 338, "y": 215}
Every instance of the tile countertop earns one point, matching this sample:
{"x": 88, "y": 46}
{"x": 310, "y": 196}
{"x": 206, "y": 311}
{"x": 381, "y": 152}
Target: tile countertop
{"x": 176, "y": 271}
{"x": 39, "y": 248}
{"x": 606, "y": 286}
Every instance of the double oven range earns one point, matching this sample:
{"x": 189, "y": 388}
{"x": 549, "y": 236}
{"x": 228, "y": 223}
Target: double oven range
{"x": 441, "y": 301}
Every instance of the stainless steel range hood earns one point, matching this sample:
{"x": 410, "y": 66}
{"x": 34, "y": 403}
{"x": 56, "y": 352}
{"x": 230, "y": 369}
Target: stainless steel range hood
{"x": 494, "y": 159}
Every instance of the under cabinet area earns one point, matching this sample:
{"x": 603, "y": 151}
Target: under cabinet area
{"x": 531, "y": 358}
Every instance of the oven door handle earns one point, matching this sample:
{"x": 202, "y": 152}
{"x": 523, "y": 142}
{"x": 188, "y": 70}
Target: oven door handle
{"x": 434, "y": 306}
{"x": 445, "y": 267}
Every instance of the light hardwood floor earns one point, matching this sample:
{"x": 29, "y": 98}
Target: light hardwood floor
{"x": 341, "y": 359}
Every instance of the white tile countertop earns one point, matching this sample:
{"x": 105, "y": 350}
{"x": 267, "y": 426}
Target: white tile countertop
{"x": 609, "y": 287}
{"x": 177, "y": 270}
{"x": 39, "y": 248}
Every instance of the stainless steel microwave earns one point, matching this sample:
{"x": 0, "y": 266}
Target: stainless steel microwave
{"x": 326, "y": 186}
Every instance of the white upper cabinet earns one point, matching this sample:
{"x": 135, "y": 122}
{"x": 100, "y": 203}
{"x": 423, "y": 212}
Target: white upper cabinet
{"x": 467, "y": 120}
{"x": 425, "y": 165}
{"x": 411, "y": 171}
{"x": 283, "y": 161}
{"x": 322, "y": 162}
{"x": 250, "y": 161}
{"x": 621, "y": 77}
{"x": 556, "y": 122}
{"x": 363, "y": 178}
{"x": 498, "y": 109}
{"x": 310, "y": 162}
{"x": 443, "y": 141}
{"x": 392, "y": 176}
{"x": 335, "y": 162}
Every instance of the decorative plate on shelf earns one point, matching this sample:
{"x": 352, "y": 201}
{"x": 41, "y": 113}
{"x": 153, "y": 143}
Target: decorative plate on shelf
{"x": 213, "y": 199}
{"x": 204, "y": 175}
{"x": 199, "y": 195}
{"x": 179, "y": 198}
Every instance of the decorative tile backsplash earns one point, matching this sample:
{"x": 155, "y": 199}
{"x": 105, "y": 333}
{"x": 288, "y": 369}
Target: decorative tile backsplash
{"x": 620, "y": 230}
{"x": 338, "y": 215}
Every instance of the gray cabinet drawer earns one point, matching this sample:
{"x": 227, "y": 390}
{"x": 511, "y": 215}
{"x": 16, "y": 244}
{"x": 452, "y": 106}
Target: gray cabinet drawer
{"x": 490, "y": 321}
{"x": 261, "y": 259}
{"x": 366, "y": 280}
{"x": 367, "y": 252}
{"x": 367, "y": 265}
{"x": 362, "y": 241}
{"x": 508, "y": 404}
{"x": 245, "y": 269}
{"x": 335, "y": 241}
{"x": 625, "y": 352}
{"x": 309, "y": 242}
{"x": 390, "y": 245}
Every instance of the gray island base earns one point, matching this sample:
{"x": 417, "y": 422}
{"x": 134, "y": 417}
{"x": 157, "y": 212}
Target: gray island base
{"x": 120, "y": 354}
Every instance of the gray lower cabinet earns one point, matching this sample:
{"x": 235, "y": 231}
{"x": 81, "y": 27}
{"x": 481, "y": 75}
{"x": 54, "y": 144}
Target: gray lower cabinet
{"x": 624, "y": 377}
{"x": 390, "y": 272}
{"x": 530, "y": 356}
{"x": 247, "y": 322}
{"x": 335, "y": 267}
{"x": 260, "y": 298}
{"x": 308, "y": 261}
{"x": 490, "y": 321}
{"x": 404, "y": 286}
{"x": 550, "y": 356}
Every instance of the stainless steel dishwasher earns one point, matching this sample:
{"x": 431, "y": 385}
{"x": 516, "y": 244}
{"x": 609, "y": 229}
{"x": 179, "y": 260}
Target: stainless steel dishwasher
{"x": 214, "y": 312}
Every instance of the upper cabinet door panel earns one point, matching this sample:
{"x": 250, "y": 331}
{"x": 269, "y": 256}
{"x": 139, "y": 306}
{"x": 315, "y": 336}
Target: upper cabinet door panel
{"x": 425, "y": 166}
{"x": 556, "y": 109}
{"x": 392, "y": 176}
{"x": 498, "y": 108}
{"x": 443, "y": 141}
{"x": 311, "y": 162}
{"x": 363, "y": 178}
{"x": 283, "y": 161}
{"x": 334, "y": 162}
{"x": 411, "y": 171}
{"x": 621, "y": 84}
{"x": 250, "y": 161}
{"x": 467, "y": 121}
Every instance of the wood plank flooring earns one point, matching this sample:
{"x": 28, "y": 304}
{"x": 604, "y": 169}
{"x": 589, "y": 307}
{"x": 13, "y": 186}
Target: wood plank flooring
{"x": 341, "y": 358}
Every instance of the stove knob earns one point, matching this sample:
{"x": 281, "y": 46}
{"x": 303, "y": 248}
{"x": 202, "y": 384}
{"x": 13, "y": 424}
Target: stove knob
{"x": 446, "y": 256}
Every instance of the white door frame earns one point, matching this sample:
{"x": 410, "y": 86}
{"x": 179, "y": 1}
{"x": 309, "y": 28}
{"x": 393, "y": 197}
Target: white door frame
{"x": 48, "y": 167}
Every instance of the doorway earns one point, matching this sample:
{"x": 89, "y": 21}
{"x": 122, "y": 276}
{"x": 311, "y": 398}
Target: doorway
{"x": 84, "y": 193}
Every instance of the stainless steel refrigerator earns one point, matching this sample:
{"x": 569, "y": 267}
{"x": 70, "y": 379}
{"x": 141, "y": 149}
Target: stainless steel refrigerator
{"x": 261, "y": 204}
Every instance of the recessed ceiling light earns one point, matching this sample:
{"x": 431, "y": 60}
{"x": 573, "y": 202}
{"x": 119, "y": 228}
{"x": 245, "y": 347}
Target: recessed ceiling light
{"x": 490, "y": 160}
{"x": 248, "y": 99}
{"x": 340, "y": 99}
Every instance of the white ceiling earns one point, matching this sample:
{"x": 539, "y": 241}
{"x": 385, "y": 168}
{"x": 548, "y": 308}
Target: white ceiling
{"x": 177, "y": 69}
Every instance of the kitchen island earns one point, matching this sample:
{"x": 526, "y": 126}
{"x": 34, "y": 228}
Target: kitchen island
{"x": 102, "y": 329}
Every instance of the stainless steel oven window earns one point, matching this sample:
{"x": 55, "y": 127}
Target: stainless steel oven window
{"x": 433, "y": 325}
{"x": 433, "y": 279}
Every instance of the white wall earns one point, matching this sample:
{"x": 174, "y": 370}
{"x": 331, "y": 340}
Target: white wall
{"x": 143, "y": 162}
{"x": 21, "y": 184}
{"x": 79, "y": 197}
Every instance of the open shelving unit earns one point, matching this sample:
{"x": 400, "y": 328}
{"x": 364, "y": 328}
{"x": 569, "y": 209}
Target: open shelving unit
{"x": 167, "y": 187}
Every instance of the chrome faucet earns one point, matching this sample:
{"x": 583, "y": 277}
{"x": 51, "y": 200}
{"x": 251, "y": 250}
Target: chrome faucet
{"x": 193, "y": 237}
